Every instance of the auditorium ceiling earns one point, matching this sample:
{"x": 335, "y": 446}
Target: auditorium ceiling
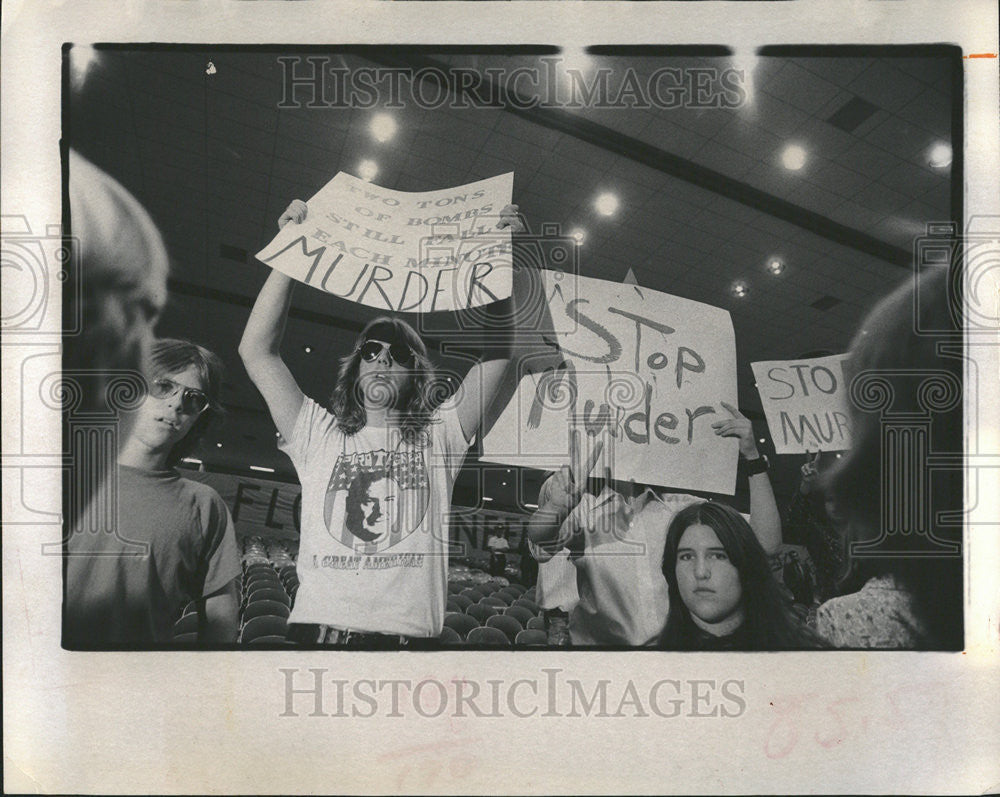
{"x": 701, "y": 159}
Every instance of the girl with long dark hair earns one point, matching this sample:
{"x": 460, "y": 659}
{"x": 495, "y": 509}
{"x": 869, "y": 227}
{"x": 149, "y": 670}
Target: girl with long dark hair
{"x": 723, "y": 595}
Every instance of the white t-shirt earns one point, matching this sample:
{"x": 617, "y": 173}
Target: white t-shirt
{"x": 556, "y": 582}
{"x": 373, "y": 553}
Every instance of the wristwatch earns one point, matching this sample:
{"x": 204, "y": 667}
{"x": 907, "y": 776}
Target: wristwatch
{"x": 758, "y": 465}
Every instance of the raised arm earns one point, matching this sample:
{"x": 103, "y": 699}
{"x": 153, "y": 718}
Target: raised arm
{"x": 485, "y": 379}
{"x": 261, "y": 341}
{"x": 765, "y": 520}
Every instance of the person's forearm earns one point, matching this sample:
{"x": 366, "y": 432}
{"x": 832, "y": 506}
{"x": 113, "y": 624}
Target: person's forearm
{"x": 765, "y": 519}
{"x": 266, "y": 325}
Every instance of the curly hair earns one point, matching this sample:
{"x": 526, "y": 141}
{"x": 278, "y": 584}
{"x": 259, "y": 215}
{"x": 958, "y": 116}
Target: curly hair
{"x": 171, "y": 356}
{"x": 416, "y": 404}
{"x": 768, "y": 624}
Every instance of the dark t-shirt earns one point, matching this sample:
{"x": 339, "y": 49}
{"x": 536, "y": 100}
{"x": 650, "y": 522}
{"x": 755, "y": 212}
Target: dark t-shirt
{"x": 175, "y": 542}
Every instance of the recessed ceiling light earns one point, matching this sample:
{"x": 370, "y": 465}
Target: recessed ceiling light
{"x": 262, "y": 469}
{"x": 277, "y": 434}
{"x": 579, "y": 235}
{"x": 383, "y": 127}
{"x": 939, "y": 156}
{"x": 793, "y": 157}
{"x": 775, "y": 266}
{"x": 762, "y": 440}
{"x": 307, "y": 349}
{"x": 606, "y": 204}
{"x": 218, "y": 445}
{"x": 739, "y": 289}
{"x": 192, "y": 460}
{"x": 367, "y": 170}
{"x": 487, "y": 498}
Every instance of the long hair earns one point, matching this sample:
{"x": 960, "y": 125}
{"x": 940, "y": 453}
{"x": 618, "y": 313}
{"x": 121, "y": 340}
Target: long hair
{"x": 170, "y": 356}
{"x": 416, "y": 405}
{"x": 888, "y": 344}
{"x": 767, "y": 623}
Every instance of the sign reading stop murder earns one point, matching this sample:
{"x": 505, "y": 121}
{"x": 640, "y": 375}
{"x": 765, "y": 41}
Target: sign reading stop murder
{"x": 805, "y": 402}
{"x": 645, "y": 373}
{"x": 398, "y": 251}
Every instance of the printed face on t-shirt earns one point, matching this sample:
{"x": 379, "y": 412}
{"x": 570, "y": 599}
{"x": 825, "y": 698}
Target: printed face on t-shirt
{"x": 708, "y": 581}
{"x": 382, "y": 381}
{"x": 376, "y": 498}
{"x": 161, "y": 423}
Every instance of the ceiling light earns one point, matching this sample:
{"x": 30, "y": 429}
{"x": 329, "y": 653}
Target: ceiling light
{"x": 775, "y": 266}
{"x": 793, "y": 158}
{"x": 939, "y": 156}
{"x": 218, "y": 445}
{"x": 606, "y": 204}
{"x": 487, "y": 498}
{"x": 277, "y": 434}
{"x": 739, "y": 289}
{"x": 192, "y": 460}
{"x": 367, "y": 170}
{"x": 531, "y": 506}
{"x": 762, "y": 440}
{"x": 262, "y": 469}
{"x": 307, "y": 349}
{"x": 578, "y": 235}
{"x": 383, "y": 127}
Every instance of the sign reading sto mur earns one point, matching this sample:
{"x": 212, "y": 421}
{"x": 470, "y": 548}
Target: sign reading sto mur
{"x": 805, "y": 402}
{"x": 645, "y": 372}
{"x": 398, "y": 251}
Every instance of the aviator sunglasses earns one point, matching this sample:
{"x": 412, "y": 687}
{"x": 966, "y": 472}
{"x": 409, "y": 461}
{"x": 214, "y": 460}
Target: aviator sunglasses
{"x": 193, "y": 401}
{"x": 371, "y": 350}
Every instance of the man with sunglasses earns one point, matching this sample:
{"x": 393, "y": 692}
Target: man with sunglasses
{"x": 377, "y": 464}
{"x": 173, "y": 539}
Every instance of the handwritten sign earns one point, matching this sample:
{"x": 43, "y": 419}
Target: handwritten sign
{"x": 644, "y": 371}
{"x": 805, "y": 402}
{"x": 398, "y": 251}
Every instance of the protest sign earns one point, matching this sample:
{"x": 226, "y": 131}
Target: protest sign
{"x": 398, "y": 251}
{"x": 644, "y": 371}
{"x": 805, "y": 402}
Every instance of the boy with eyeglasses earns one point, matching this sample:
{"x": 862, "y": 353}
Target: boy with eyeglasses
{"x": 173, "y": 540}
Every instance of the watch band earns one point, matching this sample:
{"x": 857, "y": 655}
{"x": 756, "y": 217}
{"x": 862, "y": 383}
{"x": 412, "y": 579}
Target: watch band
{"x": 758, "y": 465}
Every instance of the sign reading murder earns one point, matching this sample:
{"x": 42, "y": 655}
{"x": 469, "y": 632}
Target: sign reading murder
{"x": 805, "y": 402}
{"x": 644, "y": 372}
{"x": 398, "y": 251}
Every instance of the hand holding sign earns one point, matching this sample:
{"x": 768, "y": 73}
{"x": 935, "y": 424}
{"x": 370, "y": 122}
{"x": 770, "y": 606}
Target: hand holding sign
{"x": 737, "y": 426}
{"x": 296, "y": 211}
{"x": 509, "y": 217}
